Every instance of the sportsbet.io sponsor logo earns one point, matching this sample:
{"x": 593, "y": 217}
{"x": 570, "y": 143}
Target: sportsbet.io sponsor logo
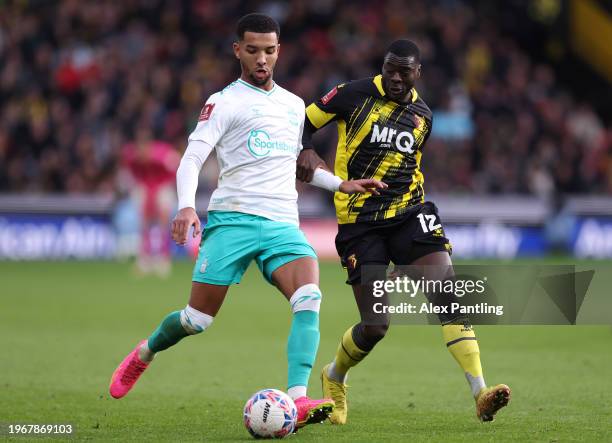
{"x": 260, "y": 144}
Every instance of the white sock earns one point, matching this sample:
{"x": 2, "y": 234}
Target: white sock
{"x": 296, "y": 392}
{"x": 145, "y": 354}
{"x": 476, "y": 383}
{"x": 335, "y": 375}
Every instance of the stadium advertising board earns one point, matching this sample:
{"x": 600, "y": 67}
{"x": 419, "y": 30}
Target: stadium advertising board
{"x": 90, "y": 237}
{"x": 592, "y": 238}
{"x": 56, "y": 237}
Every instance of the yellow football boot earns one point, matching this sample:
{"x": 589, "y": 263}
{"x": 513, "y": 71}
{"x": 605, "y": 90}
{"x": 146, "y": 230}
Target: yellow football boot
{"x": 491, "y": 400}
{"x": 337, "y": 392}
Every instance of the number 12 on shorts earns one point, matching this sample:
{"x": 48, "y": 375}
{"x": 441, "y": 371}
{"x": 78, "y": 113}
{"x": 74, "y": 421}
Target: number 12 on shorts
{"x": 428, "y": 222}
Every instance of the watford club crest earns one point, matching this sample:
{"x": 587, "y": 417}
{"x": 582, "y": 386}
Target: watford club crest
{"x": 352, "y": 261}
{"x": 418, "y": 121}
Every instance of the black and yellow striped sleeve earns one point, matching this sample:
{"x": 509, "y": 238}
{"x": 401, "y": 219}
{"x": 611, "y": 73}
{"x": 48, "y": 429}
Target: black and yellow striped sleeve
{"x": 331, "y": 107}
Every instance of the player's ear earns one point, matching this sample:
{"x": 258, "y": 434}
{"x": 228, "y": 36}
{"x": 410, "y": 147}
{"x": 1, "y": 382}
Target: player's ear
{"x": 418, "y": 72}
{"x": 236, "y": 47}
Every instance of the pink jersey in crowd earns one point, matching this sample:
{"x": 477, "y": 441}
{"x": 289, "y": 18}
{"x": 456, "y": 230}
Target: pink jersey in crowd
{"x": 153, "y": 165}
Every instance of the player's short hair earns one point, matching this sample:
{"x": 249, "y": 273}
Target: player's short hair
{"x": 404, "y": 48}
{"x": 257, "y": 22}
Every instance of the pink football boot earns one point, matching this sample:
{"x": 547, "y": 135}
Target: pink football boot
{"x": 312, "y": 411}
{"x": 127, "y": 373}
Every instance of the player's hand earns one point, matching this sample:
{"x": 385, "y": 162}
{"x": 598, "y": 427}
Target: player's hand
{"x": 362, "y": 185}
{"x": 185, "y": 219}
{"x": 308, "y": 161}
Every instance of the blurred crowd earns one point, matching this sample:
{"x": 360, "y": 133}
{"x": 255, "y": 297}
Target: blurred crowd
{"x": 81, "y": 79}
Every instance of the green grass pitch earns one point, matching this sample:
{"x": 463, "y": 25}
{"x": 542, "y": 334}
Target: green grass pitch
{"x": 65, "y": 326}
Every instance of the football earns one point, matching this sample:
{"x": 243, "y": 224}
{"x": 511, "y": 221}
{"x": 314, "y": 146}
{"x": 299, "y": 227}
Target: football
{"x": 270, "y": 413}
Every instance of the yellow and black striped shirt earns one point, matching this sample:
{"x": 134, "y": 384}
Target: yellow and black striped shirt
{"x": 377, "y": 138}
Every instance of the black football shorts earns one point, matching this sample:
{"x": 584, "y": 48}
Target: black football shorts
{"x": 400, "y": 240}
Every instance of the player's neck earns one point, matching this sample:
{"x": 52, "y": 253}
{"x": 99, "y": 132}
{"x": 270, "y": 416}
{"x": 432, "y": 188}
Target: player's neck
{"x": 267, "y": 86}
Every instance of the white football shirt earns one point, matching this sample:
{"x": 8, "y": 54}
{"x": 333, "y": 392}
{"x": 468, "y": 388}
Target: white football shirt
{"x": 257, "y": 136}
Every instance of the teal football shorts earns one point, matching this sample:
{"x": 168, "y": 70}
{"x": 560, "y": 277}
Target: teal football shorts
{"x": 232, "y": 239}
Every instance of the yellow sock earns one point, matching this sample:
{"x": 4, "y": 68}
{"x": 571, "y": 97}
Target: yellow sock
{"x": 348, "y": 354}
{"x": 461, "y": 342}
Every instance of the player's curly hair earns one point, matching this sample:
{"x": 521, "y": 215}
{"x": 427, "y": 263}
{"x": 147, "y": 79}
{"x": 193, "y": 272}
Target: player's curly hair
{"x": 257, "y": 22}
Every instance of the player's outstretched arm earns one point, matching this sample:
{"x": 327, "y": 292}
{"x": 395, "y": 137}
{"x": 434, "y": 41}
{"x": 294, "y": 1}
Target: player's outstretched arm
{"x": 326, "y": 180}
{"x": 362, "y": 185}
{"x": 186, "y": 186}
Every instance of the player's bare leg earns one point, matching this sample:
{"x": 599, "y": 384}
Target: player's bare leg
{"x": 461, "y": 342}
{"x": 204, "y": 303}
{"x": 207, "y": 298}
{"x": 298, "y": 281}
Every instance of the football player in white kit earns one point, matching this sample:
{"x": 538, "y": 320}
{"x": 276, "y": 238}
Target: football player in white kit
{"x": 255, "y": 126}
